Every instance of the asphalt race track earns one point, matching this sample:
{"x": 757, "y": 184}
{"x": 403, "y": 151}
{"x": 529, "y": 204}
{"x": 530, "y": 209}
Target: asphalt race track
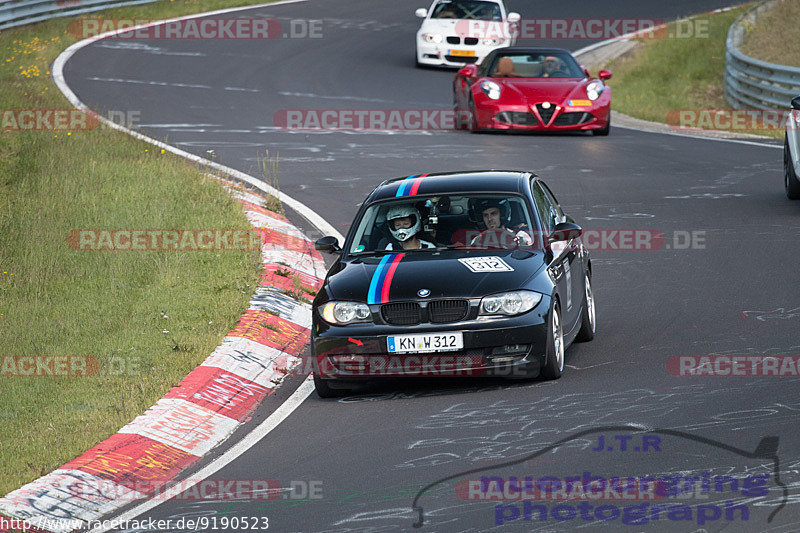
{"x": 725, "y": 282}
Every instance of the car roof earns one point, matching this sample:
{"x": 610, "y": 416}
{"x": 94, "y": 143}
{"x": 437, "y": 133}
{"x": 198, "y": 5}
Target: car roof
{"x": 471, "y": 181}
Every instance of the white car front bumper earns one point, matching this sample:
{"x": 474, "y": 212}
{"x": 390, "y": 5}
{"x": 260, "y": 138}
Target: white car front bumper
{"x": 446, "y": 54}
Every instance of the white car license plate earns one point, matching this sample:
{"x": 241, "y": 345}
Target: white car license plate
{"x": 425, "y": 343}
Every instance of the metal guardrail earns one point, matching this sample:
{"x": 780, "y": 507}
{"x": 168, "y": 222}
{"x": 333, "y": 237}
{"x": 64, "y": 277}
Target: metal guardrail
{"x": 19, "y": 12}
{"x": 751, "y": 83}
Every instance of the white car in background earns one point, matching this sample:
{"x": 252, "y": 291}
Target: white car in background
{"x": 458, "y": 32}
{"x": 791, "y": 152}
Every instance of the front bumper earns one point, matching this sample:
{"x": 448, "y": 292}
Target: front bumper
{"x": 492, "y": 115}
{"x": 512, "y": 347}
{"x": 442, "y": 54}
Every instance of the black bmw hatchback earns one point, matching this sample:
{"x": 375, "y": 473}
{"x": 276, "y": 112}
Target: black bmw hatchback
{"x": 452, "y": 274}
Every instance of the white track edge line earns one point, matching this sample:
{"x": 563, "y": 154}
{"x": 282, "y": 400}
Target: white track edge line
{"x": 247, "y": 442}
{"x": 302, "y": 392}
{"x": 704, "y": 137}
{"x": 58, "y": 77}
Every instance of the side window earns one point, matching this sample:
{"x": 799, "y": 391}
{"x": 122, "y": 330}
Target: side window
{"x": 554, "y": 213}
{"x": 543, "y": 207}
{"x": 549, "y": 194}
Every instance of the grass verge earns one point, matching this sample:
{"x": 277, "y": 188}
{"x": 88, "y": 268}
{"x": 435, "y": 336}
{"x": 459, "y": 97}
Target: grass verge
{"x": 776, "y": 36}
{"x": 147, "y": 317}
{"x": 661, "y": 77}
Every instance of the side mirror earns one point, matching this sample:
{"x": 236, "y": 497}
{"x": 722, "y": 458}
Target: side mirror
{"x": 586, "y": 71}
{"x": 328, "y": 244}
{"x": 468, "y": 71}
{"x": 605, "y": 75}
{"x": 796, "y": 102}
{"x": 421, "y": 12}
{"x": 513, "y": 17}
{"x": 566, "y": 231}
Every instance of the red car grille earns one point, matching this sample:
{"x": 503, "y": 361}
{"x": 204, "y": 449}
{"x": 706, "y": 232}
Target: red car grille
{"x": 547, "y": 113}
{"x": 573, "y": 119}
{"x": 519, "y": 118}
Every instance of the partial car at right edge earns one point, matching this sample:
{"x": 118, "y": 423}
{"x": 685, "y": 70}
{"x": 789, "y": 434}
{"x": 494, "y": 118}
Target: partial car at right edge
{"x": 791, "y": 152}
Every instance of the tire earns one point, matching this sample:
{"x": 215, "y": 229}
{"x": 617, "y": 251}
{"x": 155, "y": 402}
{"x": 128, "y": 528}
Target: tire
{"x": 790, "y": 180}
{"x": 588, "y": 316}
{"x": 324, "y": 390}
{"x": 473, "y": 117}
{"x": 460, "y": 124}
{"x": 554, "y": 360}
{"x": 602, "y": 132}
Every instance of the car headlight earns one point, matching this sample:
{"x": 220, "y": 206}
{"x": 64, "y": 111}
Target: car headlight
{"x": 492, "y": 42}
{"x": 341, "y": 313}
{"x": 510, "y": 303}
{"x": 594, "y": 90}
{"x": 435, "y": 38}
{"x": 491, "y": 89}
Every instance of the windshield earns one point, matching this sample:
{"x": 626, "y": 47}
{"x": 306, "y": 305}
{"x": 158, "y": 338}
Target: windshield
{"x": 546, "y": 64}
{"x": 425, "y": 224}
{"x": 467, "y": 9}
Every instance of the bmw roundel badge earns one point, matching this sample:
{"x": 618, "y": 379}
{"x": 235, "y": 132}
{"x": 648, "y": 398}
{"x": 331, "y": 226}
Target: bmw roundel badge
{"x": 423, "y": 293}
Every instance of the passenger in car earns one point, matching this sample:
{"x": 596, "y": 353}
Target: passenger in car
{"x": 505, "y": 68}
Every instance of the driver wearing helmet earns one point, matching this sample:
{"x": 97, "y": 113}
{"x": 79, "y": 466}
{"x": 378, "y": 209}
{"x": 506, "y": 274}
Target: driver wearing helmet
{"x": 404, "y": 224}
{"x": 495, "y": 214}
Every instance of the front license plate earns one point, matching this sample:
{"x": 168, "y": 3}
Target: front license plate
{"x": 462, "y": 53}
{"x": 425, "y": 343}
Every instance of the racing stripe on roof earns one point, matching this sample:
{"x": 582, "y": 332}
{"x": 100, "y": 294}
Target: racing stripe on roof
{"x": 410, "y": 185}
{"x": 404, "y": 186}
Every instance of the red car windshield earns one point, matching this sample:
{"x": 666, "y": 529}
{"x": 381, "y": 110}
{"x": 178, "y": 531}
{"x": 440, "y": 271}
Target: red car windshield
{"x": 535, "y": 65}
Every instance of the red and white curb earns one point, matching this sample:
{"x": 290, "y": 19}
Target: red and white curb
{"x": 205, "y": 408}
{"x": 201, "y": 411}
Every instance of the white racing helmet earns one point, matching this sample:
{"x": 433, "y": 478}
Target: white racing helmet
{"x": 400, "y": 211}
